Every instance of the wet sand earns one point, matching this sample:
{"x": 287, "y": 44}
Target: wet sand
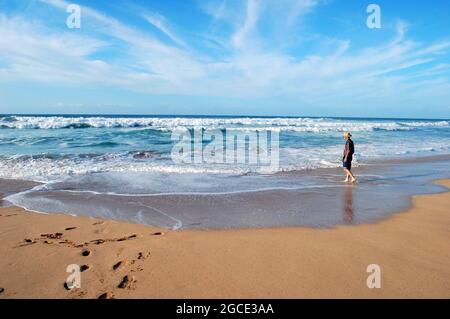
{"x": 411, "y": 248}
{"x": 315, "y": 198}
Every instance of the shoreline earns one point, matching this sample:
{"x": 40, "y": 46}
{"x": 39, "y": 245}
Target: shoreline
{"x": 291, "y": 200}
{"x": 295, "y": 262}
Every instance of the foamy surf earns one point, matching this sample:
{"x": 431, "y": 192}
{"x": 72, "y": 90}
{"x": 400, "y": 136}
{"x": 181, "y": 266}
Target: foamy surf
{"x": 299, "y": 124}
{"x": 122, "y": 167}
{"x": 26, "y": 156}
{"x": 202, "y": 201}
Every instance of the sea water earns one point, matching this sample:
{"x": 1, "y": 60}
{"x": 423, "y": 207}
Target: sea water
{"x": 121, "y": 167}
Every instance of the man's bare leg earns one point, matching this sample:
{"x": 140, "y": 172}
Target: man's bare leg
{"x": 349, "y": 173}
{"x": 346, "y": 176}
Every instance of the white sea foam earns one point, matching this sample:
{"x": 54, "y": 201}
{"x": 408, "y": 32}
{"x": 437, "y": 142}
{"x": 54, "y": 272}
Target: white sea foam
{"x": 43, "y": 168}
{"x": 168, "y": 124}
{"x": 49, "y": 153}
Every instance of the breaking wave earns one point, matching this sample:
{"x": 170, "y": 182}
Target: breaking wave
{"x": 315, "y": 125}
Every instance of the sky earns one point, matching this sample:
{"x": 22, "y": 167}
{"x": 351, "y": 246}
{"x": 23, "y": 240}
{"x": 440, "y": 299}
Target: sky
{"x": 226, "y": 57}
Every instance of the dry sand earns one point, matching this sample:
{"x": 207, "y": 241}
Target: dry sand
{"x": 412, "y": 249}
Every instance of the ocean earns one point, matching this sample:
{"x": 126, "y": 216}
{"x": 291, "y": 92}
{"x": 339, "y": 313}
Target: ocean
{"x": 122, "y": 167}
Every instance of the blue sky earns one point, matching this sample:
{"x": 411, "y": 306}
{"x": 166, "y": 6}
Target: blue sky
{"x": 230, "y": 57}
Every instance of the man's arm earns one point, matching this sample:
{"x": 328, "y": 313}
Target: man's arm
{"x": 346, "y": 151}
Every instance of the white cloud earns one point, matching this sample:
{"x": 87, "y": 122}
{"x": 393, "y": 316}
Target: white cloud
{"x": 159, "y": 22}
{"x": 249, "y": 67}
{"x": 241, "y": 36}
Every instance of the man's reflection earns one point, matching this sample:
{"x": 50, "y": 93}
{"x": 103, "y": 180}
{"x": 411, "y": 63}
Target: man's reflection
{"x": 348, "y": 204}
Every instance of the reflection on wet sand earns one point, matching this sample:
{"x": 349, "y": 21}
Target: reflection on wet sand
{"x": 348, "y": 204}
{"x": 308, "y": 199}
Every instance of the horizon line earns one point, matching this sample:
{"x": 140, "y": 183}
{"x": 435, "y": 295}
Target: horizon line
{"x": 218, "y": 115}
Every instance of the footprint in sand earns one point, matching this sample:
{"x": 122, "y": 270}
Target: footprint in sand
{"x": 119, "y": 265}
{"x": 159, "y": 233}
{"x": 102, "y": 241}
{"x": 127, "y": 237}
{"x": 83, "y": 268}
{"x": 106, "y": 295}
{"x": 52, "y": 236}
{"x": 98, "y": 241}
{"x": 143, "y": 256}
{"x": 28, "y": 242}
{"x": 81, "y": 294}
{"x": 86, "y": 252}
{"x": 70, "y": 228}
{"x": 127, "y": 282}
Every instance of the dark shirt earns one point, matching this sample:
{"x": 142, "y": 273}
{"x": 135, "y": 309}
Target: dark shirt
{"x": 349, "y": 149}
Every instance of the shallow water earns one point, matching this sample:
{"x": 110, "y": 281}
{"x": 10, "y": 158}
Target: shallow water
{"x": 48, "y": 148}
{"x": 121, "y": 167}
{"x": 317, "y": 198}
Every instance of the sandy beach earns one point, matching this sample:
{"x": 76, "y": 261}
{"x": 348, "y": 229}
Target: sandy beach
{"x": 224, "y": 150}
{"x": 410, "y": 247}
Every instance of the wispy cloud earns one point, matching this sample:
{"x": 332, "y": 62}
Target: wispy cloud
{"x": 248, "y": 66}
{"x": 251, "y": 18}
{"x": 159, "y": 22}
